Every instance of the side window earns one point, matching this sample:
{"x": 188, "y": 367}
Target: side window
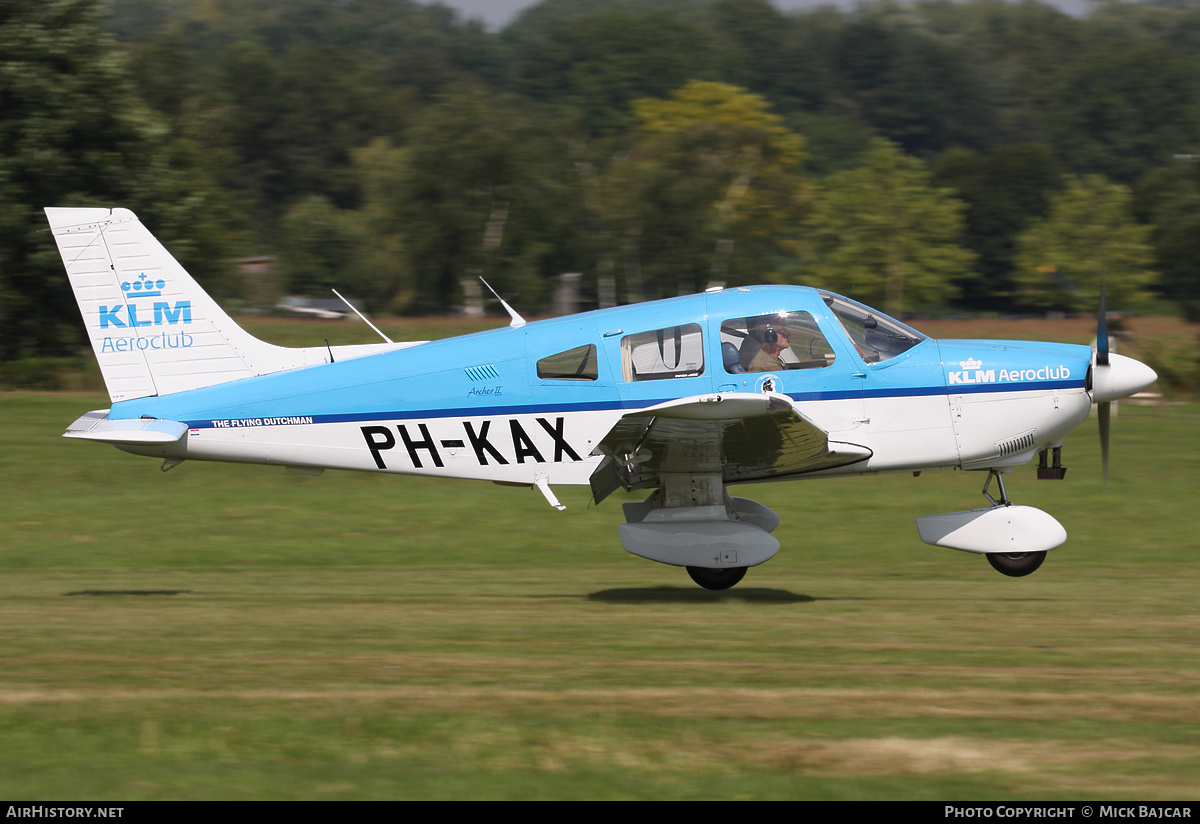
{"x": 772, "y": 343}
{"x": 578, "y": 364}
{"x": 673, "y": 352}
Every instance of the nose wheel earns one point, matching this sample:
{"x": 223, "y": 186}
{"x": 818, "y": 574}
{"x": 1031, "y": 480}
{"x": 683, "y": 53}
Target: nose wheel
{"x": 1016, "y": 564}
{"x": 1012, "y": 564}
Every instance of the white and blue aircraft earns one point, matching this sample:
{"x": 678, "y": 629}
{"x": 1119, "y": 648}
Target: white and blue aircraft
{"x": 683, "y": 397}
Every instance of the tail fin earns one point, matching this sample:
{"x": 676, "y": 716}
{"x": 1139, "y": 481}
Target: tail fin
{"x": 154, "y": 330}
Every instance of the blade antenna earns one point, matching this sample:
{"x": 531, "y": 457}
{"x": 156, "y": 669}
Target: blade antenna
{"x": 517, "y": 320}
{"x": 364, "y": 318}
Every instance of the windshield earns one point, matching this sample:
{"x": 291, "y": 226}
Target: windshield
{"x": 876, "y": 336}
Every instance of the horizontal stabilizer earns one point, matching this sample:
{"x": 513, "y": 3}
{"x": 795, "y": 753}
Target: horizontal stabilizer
{"x": 95, "y": 426}
{"x": 993, "y": 529}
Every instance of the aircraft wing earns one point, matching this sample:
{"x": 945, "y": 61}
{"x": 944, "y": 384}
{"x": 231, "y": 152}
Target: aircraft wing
{"x": 742, "y": 437}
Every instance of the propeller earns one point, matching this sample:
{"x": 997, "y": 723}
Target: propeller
{"x": 1113, "y": 377}
{"x": 1104, "y": 407}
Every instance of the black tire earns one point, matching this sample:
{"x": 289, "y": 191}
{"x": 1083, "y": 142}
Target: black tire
{"x": 710, "y": 578}
{"x": 1016, "y": 564}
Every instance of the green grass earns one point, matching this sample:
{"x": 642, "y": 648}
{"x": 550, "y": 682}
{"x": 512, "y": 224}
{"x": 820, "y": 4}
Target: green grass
{"x": 225, "y": 631}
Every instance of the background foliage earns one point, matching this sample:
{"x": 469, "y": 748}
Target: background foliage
{"x": 394, "y": 149}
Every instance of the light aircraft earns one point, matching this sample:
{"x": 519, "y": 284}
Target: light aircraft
{"x": 683, "y": 397}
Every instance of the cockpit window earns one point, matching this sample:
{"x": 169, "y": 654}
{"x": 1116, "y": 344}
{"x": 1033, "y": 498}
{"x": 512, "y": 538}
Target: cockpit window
{"x": 578, "y": 364}
{"x": 771, "y": 343}
{"x": 876, "y": 336}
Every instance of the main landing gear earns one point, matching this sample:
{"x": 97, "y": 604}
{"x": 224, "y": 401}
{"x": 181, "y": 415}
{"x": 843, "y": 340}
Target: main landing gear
{"x": 714, "y": 536}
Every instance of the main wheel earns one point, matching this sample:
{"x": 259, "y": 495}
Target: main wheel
{"x": 1016, "y": 564}
{"x": 710, "y": 578}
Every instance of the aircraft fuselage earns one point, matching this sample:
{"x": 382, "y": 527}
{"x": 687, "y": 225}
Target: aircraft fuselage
{"x": 476, "y": 406}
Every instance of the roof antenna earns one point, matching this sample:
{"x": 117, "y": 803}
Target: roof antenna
{"x": 517, "y": 320}
{"x": 364, "y": 320}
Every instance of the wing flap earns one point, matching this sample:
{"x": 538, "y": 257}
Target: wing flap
{"x": 741, "y": 437}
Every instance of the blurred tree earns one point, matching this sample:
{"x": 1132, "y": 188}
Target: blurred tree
{"x": 201, "y": 222}
{"x": 379, "y": 271}
{"x": 757, "y": 47}
{"x": 1168, "y": 199}
{"x": 1017, "y": 50}
{"x": 1172, "y": 22}
{"x": 275, "y": 100}
{"x": 73, "y": 132}
{"x": 1176, "y": 238}
{"x": 1125, "y": 107}
{"x": 600, "y": 64}
{"x": 919, "y": 91}
{"x": 1004, "y": 190}
{"x": 489, "y": 190}
{"x": 317, "y": 246}
{"x": 541, "y": 19}
{"x": 886, "y": 233}
{"x": 358, "y": 252}
{"x": 1088, "y": 236}
{"x": 294, "y": 128}
{"x": 712, "y": 191}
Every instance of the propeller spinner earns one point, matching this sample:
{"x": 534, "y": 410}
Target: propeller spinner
{"x": 1113, "y": 377}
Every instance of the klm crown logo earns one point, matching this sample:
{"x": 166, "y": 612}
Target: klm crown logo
{"x": 973, "y": 372}
{"x": 147, "y": 288}
{"x": 164, "y": 313}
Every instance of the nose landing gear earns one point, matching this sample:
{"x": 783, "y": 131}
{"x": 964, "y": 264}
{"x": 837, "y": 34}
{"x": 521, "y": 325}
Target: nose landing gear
{"x": 1016, "y": 564}
{"x": 1014, "y": 538}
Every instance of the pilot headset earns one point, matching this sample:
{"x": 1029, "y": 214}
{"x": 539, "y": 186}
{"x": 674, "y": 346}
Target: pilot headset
{"x": 770, "y": 336}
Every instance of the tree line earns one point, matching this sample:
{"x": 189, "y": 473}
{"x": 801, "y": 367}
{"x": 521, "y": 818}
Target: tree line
{"x": 966, "y": 156}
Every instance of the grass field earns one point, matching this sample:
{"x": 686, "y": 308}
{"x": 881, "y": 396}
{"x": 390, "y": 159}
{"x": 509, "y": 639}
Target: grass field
{"x": 240, "y": 632}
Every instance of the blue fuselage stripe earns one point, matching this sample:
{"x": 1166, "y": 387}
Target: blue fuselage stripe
{"x": 604, "y": 406}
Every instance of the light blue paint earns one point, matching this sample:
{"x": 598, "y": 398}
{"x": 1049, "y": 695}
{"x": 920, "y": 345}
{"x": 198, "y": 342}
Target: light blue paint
{"x": 494, "y": 372}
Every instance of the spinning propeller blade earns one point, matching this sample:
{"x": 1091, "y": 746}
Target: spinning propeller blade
{"x": 1102, "y": 331}
{"x": 1103, "y": 409}
{"x": 1102, "y": 363}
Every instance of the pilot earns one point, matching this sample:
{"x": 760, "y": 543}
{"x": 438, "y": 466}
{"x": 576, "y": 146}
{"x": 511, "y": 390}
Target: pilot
{"x": 767, "y": 358}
